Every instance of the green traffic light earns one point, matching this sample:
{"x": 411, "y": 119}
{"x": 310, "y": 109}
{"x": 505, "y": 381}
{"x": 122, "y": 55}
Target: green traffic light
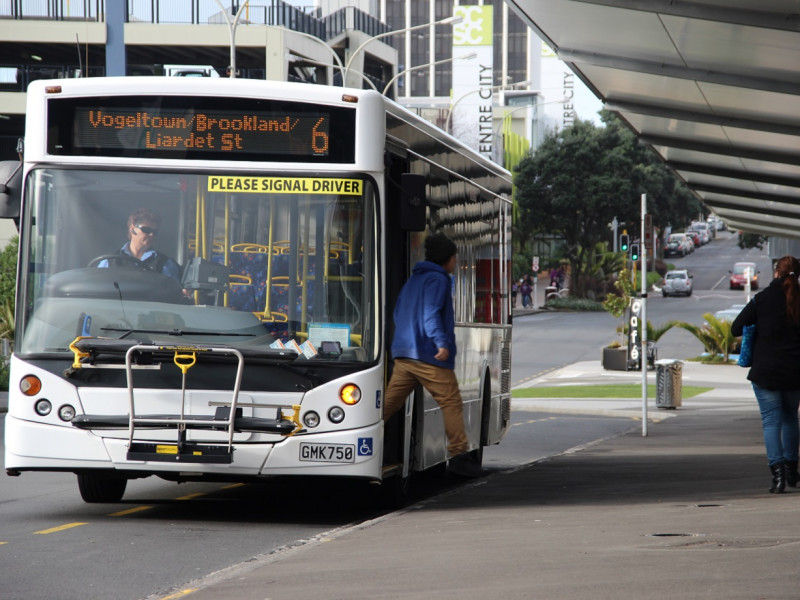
{"x": 635, "y": 252}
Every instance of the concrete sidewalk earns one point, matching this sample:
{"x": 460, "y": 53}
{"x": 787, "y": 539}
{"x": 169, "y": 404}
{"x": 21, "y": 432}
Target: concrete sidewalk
{"x": 681, "y": 513}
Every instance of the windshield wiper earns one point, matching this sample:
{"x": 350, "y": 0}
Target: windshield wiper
{"x": 173, "y": 332}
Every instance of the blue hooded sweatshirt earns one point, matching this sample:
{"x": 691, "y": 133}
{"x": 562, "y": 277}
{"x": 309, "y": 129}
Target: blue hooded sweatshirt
{"x": 423, "y": 316}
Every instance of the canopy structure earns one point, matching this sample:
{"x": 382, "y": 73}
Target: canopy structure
{"x": 713, "y": 86}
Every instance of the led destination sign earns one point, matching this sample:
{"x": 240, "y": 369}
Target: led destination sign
{"x": 227, "y": 131}
{"x": 188, "y": 128}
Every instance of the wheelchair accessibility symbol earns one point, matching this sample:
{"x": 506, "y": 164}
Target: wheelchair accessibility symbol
{"x": 365, "y": 446}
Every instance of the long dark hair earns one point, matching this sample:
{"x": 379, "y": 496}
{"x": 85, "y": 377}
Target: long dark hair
{"x": 788, "y": 269}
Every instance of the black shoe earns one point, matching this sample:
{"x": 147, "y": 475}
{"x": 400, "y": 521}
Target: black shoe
{"x": 464, "y": 465}
{"x": 792, "y": 476}
{"x": 778, "y": 478}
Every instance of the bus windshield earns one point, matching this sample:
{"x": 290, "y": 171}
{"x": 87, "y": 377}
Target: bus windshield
{"x": 267, "y": 262}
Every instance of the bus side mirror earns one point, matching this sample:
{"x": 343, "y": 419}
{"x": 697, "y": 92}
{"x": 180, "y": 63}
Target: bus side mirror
{"x": 10, "y": 188}
{"x": 413, "y": 205}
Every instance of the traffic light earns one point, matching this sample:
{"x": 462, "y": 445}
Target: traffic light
{"x": 634, "y": 252}
{"x": 623, "y": 242}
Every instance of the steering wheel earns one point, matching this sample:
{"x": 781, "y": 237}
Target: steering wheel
{"x": 119, "y": 258}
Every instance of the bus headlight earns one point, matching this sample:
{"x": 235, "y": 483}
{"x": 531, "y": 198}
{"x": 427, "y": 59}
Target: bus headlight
{"x": 30, "y": 385}
{"x": 311, "y": 419}
{"x": 66, "y": 413}
{"x": 350, "y": 394}
{"x": 336, "y": 414}
{"x": 43, "y": 407}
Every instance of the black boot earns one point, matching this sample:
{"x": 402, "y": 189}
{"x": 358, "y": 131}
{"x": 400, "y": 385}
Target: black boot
{"x": 778, "y": 478}
{"x": 792, "y": 476}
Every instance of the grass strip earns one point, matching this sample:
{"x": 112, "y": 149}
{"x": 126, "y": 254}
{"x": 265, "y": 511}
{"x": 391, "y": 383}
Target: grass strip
{"x": 627, "y": 390}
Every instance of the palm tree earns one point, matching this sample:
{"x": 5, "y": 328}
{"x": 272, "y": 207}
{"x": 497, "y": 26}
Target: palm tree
{"x": 715, "y": 335}
{"x": 654, "y": 333}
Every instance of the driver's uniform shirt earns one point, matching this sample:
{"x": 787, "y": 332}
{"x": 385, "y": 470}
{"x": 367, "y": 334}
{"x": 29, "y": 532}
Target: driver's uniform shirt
{"x": 151, "y": 260}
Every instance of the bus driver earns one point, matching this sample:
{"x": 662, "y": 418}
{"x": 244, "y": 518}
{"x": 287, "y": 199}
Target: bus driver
{"x": 142, "y": 228}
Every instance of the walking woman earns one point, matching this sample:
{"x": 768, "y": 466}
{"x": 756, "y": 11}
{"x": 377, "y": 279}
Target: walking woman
{"x": 775, "y": 312}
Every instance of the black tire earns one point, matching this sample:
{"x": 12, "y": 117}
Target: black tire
{"x": 101, "y": 488}
{"x": 396, "y": 490}
{"x": 477, "y": 456}
{"x": 665, "y": 294}
{"x": 486, "y": 401}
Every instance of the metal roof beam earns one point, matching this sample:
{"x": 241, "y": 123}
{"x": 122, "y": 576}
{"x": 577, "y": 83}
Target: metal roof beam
{"x": 677, "y": 165}
{"x": 725, "y": 150}
{"x": 765, "y": 221}
{"x": 664, "y": 112}
{"x": 785, "y": 21}
{"x": 756, "y": 227}
{"x": 676, "y": 71}
{"x": 727, "y": 206}
{"x": 726, "y": 191}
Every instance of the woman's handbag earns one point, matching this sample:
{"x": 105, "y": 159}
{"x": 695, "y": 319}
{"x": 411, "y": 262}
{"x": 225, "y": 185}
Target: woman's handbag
{"x": 748, "y": 339}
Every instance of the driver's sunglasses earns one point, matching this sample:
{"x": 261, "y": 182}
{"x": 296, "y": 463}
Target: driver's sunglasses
{"x": 146, "y": 230}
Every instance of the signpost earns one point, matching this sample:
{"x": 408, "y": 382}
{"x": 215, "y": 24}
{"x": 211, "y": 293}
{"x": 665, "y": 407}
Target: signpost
{"x": 643, "y": 319}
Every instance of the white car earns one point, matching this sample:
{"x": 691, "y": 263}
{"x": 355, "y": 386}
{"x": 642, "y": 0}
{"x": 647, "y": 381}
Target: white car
{"x": 729, "y": 314}
{"x": 676, "y": 283}
{"x": 685, "y": 239}
{"x": 706, "y": 232}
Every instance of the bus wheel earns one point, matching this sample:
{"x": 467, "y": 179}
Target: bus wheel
{"x": 395, "y": 491}
{"x": 97, "y": 487}
{"x": 477, "y": 456}
{"x": 486, "y": 405}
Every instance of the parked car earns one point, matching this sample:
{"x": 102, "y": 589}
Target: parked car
{"x": 739, "y": 275}
{"x": 705, "y": 231}
{"x": 729, "y": 314}
{"x": 674, "y": 248}
{"x": 695, "y": 238}
{"x": 716, "y": 222}
{"x": 677, "y": 282}
{"x": 685, "y": 239}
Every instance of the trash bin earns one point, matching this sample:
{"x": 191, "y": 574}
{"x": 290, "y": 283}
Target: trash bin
{"x": 668, "y": 383}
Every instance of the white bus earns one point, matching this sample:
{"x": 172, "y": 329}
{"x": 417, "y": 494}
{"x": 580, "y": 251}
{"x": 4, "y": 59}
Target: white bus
{"x": 291, "y": 215}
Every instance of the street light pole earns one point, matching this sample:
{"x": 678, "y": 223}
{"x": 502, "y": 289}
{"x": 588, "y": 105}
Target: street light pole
{"x": 426, "y": 65}
{"x": 294, "y": 58}
{"x": 232, "y": 33}
{"x": 475, "y": 91}
{"x": 336, "y": 58}
{"x": 447, "y": 21}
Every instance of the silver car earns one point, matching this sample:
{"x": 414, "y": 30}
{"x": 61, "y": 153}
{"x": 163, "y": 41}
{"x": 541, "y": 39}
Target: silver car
{"x": 677, "y": 282}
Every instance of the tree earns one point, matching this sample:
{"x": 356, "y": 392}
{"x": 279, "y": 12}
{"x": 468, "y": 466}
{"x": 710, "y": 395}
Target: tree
{"x": 752, "y": 240}
{"x": 8, "y": 270}
{"x": 574, "y": 184}
{"x": 583, "y": 176}
{"x": 617, "y": 302}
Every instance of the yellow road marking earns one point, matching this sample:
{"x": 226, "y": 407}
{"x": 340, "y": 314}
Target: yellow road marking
{"x": 532, "y": 421}
{"x": 180, "y": 594}
{"x": 59, "y": 528}
{"x": 234, "y": 485}
{"x": 130, "y": 511}
{"x": 2, "y": 543}
{"x": 190, "y": 496}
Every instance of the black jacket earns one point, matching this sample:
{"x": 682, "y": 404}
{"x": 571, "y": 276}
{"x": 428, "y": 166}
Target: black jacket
{"x": 776, "y": 352}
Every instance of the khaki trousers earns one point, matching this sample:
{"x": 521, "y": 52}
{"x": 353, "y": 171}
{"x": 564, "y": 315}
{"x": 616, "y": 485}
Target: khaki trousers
{"x": 442, "y": 385}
